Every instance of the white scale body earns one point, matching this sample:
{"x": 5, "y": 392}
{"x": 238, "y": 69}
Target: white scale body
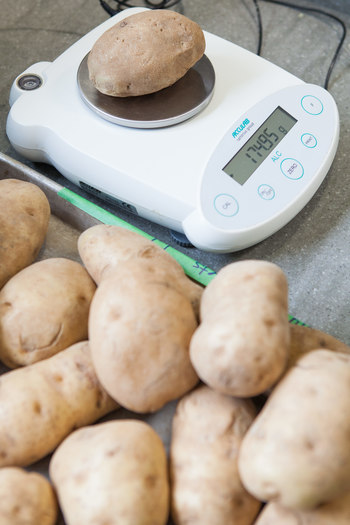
{"x": 281, "y": 133}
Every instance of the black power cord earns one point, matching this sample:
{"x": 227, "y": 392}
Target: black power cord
{"x": 164, "y": 4}
{"x": 310, "y": 10}
{"x": 124, "y": 4}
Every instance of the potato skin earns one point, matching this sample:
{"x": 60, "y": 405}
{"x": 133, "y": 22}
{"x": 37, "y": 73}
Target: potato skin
{"x": 114, "y": 472}
{"x": 241, "y": 345}
{"x": 144, "y": 53}
{"x": 140, "y": 327}
{"x": 207, "y": 431}
{"x": 26, "y": 498}
{"x": 301, "y": 434}
{"x": 103, "y": 248}
{"x": 337, "y": 512}
{"x": 305, "y": 339}
{"x": 42, "y": 403}
{"x": 44, "y": 309}
{"x": 142, "y": 318}
{"x": 24, "y": 220}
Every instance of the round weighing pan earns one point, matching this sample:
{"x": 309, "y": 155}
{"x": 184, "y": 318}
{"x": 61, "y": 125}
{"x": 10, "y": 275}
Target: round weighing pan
{"x": 169, "y": 106}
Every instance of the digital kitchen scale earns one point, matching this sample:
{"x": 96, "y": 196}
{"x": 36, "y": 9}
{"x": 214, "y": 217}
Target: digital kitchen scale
{"x": 227, "y": 155}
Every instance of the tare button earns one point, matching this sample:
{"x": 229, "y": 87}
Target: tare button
{"x": 292, "y": 169}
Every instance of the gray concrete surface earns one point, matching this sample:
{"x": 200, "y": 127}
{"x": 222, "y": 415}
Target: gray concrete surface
{"x": 313, "y": 249}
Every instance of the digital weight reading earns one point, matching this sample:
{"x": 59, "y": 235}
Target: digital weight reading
{"x": 243, "y": 164}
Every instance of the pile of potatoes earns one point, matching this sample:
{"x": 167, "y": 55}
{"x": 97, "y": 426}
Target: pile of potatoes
{"x": 260, "y": 434}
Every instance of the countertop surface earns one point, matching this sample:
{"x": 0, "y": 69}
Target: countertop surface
{"x": 313, "y": 249}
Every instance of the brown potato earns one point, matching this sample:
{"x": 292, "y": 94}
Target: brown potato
{"x": 304, "y": 339}
{"x": 141, "y": 320}
{"x": 103, "y": 248}
{"x": 337, "y": 512}
{"x": 241, "y": 346}
{"x": 207, "y": 431}
{"x": 26, "y": 498}
{"x": 112, "y": 473}
{"x": 140, "y": 327}
{"x": 42, "y": 403}
{"x": 44, "y": 309}
{"x": 296, "y": 452}
{"x": 145, "y": 52}
{"x": 24, "y": 220}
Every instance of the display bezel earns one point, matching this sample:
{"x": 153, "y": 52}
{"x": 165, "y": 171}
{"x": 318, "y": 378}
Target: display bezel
{"x": 242, "y": 176}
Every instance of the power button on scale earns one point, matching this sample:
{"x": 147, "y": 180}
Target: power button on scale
{"x": 312, "y": 105}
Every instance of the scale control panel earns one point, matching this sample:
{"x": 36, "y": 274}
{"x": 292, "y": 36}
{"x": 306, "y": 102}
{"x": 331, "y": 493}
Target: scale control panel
{"x": 276, "y": 152}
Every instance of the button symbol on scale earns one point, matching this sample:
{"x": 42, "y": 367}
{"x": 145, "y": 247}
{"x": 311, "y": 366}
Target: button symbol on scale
{"x": 292, "y": 169}
{"x": 312, "y": 105}
{"x": 266, "y": 192}
{"x": 226, "y": 205}
{"x": 309, "y": 140}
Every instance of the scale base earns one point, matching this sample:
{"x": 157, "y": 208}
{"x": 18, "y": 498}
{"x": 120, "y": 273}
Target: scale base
{"x": 181, "y": 239}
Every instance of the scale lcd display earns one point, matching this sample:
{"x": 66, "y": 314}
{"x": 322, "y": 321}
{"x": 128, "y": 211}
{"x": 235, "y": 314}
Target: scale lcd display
{"x": 257, "y": 148}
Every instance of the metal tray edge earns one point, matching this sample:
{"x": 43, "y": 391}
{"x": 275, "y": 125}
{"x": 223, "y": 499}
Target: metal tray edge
{"x": 61, "y": 208}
